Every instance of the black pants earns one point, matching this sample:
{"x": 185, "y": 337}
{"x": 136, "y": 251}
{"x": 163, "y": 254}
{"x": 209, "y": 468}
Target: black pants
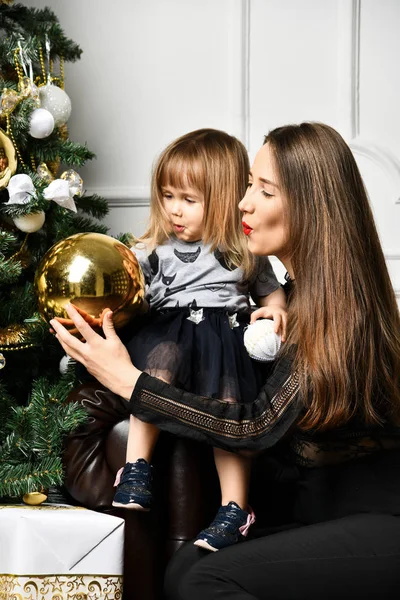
{"x": 354, "y": 557}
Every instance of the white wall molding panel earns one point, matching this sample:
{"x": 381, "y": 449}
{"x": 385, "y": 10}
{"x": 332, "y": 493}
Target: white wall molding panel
{"x": 245, "y": 66}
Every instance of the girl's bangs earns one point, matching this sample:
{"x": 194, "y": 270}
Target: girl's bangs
{"x": 183, "y": 172}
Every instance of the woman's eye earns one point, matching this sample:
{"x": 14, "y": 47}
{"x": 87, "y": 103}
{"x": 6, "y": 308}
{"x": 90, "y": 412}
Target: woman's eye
{"x": 264, "y": 193}
{"x": 250, "y": 183}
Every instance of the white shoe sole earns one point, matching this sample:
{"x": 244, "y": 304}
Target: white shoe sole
{"x": 130, "y": 506}
{"x": 205, "y": 545}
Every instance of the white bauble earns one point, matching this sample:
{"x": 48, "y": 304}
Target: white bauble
{"x": 30, "y": 223}
{"x": 56, "y": 101}
{"x": 64, "y": 364}
{"x": 41, "y": 124}
{"x": 261, "y": 341}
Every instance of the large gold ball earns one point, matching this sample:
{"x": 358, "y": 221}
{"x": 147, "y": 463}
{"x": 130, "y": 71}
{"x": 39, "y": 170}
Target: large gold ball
{"x": 92, "y": 271}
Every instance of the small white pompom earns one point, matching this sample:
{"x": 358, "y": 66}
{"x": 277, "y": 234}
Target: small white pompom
{"x": 41, "y": 123}
{"x": 261, "y": 341}
{"x": 64, "y": 364}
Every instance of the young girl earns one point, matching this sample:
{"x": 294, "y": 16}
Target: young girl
{"x": 199, "y": 278}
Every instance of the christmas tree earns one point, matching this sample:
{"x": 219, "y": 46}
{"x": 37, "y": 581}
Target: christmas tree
{"x": 41, "y": 202}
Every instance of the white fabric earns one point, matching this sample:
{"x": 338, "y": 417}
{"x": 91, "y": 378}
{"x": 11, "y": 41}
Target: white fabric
{"x": 51, "y": 539}
{"x": 62, "y": 193}
{"x": 20, "y": 189}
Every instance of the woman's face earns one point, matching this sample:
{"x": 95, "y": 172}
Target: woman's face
{"x": 263, "y": 209}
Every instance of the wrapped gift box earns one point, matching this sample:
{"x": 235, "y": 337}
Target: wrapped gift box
{"x": 59, "y": 552}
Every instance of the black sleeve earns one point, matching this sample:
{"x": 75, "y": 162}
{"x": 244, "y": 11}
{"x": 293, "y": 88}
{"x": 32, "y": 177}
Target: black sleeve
{"x": 231, "y": 426}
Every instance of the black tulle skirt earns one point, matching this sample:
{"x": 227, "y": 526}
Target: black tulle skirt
{"x": 207, "y": 358}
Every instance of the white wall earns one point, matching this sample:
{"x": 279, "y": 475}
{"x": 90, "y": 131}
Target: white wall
{"x": 154, "y": 69}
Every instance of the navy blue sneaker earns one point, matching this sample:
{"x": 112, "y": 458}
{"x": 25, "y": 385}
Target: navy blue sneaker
{"x": 229, "y": 527}
{"x": 133, "y": 484}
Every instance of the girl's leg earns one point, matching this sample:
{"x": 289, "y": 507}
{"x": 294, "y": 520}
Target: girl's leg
{"x": 233, "y": 519}
{"x": 234, "y": 474}
{"x": 353, "y": 558}
{"x": 142, "y": 438}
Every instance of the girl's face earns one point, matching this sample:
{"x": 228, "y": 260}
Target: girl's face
{"x": 263, "y": 209}
{"x": 185, "y": 211}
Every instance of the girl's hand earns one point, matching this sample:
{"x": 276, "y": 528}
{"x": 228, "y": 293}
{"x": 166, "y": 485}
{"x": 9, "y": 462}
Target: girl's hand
{"x": 277, "y": 313}
{"x": 106, "y": 359}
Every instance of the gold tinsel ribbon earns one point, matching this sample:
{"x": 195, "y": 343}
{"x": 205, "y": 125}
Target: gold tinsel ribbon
{"x": 14, "y": 337}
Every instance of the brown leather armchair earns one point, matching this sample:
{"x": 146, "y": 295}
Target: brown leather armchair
{"x": 186, "y": 491}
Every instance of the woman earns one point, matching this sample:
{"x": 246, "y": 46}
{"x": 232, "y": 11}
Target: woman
{"x": 333, "y": 397}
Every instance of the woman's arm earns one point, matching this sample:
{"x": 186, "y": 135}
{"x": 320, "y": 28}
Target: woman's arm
{"x": 252, "y": 426}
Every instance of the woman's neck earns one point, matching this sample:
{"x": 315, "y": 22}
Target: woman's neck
{"x": 287, "y": 263}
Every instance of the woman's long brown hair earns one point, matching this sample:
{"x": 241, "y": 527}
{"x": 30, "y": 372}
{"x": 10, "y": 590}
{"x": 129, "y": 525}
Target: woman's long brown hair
{"x": 217, "y": 165}
{"x": 344, "y": 317}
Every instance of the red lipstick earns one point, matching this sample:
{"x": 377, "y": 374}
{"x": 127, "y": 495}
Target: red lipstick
{"x": 246, "y": 229}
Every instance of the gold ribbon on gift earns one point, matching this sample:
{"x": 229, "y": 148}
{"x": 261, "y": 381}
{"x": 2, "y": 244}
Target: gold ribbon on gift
{"x": 59, "y": 587}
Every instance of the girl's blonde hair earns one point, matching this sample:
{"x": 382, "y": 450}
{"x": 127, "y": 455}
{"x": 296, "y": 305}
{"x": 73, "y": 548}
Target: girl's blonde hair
{"x": 216, "y": 164}
{"x": 343, "y": 316}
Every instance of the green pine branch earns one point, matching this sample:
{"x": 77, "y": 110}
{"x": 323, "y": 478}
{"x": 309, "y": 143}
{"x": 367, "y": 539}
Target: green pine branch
{"x": 52, "y": 148}
{"x": 7, "y": 240}
{"x": 10, "y": 270}
{"x": 30, "y": 454}
{"x": 25, "y": 477}
{"x": 93, "y": 205}
{"x": 33, "y": 24}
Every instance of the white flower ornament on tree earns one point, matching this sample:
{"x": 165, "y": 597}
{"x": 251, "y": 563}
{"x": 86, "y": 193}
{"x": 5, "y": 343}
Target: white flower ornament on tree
{"x": 20, "y": 189}
{"x": 63, "y": 190}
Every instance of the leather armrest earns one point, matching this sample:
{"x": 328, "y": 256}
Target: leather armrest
{"x": 95, "y": 451}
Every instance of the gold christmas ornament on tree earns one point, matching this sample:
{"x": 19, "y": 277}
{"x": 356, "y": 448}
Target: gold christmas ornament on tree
{"x": 93, "y": 271}
{"x": 8, "y": 159}
{"x": 34, "y": 498}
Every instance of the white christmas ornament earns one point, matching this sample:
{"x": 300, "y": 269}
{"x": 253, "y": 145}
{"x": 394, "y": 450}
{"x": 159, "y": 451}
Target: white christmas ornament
{"x": 20, "y": 189}
{"x": 56, "y": 101}
{"x": 41, "y": 123}
{"x": 64, "y": 364}
{"x": 30, "y": 223}
{"x": 261, "y": 341}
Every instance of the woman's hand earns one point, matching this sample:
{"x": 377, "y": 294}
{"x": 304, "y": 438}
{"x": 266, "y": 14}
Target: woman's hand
{"x": 95, "y": 323}
{"x": 106, "y": 359}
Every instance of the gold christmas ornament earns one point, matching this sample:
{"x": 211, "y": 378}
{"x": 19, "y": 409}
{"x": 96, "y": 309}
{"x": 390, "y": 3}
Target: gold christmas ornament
{"x": 93, "y": 271}
{"x": 8, "y": 159}
{"x": 34, "y": 498}
{"x": 9, "y": 100}
{"x": 44, "y": 173}
{"x": 29, "y": 89}
{"x": 54, "y": 166}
